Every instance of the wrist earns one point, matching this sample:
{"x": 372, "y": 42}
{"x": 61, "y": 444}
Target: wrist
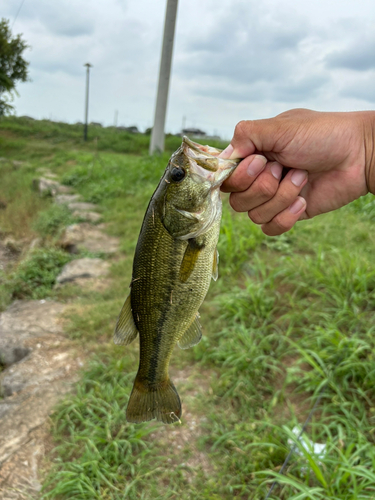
{"x": 369, "y": 145}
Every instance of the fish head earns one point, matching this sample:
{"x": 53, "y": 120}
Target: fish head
{"x": 190, "y": 189}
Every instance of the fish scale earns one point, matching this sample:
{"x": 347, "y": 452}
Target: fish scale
{"x": 173, "y": 264}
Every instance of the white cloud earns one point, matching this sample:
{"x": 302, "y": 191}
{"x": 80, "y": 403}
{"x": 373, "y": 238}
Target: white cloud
{"x": 233, "y": 59}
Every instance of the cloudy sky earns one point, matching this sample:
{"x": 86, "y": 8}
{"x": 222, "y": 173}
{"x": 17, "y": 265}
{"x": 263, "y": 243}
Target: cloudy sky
{"x": 233, "y": 59}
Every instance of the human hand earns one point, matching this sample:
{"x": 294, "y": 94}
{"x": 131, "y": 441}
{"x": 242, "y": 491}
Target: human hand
{"x": 330, "y": 157}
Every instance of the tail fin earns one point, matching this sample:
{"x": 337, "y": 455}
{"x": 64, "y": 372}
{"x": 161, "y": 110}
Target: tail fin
{"x": 161, "y": 402}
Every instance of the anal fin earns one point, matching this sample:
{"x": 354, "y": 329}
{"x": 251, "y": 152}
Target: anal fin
{"x": 192, "y": 336}
{"x": 125, "y": 331}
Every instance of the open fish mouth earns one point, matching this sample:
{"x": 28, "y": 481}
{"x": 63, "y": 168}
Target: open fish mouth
{"x": 205, "y": 163}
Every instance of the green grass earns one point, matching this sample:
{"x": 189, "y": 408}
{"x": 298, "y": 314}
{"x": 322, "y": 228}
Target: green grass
{"x": 35, "y": 276}
{"x": 287, "y": 316}
{"x": 52, "y": 221}
{"x": 99, "y": 138}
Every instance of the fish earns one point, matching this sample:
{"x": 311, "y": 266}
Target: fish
{"x": 175, "y": 258}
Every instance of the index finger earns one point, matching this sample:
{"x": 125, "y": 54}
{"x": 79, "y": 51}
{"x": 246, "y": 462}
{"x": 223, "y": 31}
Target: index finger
{"x": 245, "y": 174}
{"x": 254, "y": 135}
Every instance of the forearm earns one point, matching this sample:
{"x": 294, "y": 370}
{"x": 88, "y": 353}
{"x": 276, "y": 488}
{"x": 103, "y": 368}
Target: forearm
{"x": 368, "y": 120}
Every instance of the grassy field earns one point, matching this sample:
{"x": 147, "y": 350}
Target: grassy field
{"x": 288, "y": 316}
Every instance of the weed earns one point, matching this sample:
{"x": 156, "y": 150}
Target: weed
{"x": 286, "y": 316}
{"x": 36, "y": 275}
{"x": 52, "y": 221}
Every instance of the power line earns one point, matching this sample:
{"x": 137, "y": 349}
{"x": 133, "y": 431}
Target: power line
{"x": 18, "y": 11}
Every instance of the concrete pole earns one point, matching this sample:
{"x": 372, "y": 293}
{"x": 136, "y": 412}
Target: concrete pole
{"x": 88, "y": 66}
{"x": 157, "y": 135}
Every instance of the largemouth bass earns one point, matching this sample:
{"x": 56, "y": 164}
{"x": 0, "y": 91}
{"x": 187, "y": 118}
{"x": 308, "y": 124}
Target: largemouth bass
{"x": 174, "y": 261}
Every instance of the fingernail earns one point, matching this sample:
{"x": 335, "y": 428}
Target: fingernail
{"x": 297, "y": 205}
{"x": 298, "y": 177}
{"x": 227, "y": 152}
{"x": 276, "y": 170}
{"x": 257, "y": 165}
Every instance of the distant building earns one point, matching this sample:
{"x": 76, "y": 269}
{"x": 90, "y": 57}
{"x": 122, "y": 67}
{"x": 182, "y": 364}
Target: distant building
{"x": 193, "y": 132}
{"x": 133, "y": 129}
{"x": 96, "y": 124}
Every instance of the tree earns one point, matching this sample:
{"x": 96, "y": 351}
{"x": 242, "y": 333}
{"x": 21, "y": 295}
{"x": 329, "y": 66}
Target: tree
{"x": 13, "y": 67}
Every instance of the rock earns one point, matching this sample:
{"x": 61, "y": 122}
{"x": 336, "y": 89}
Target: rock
{"x": 80, "y": 205}
{"x": 25, "y": 320}
{"x": 83, "y": 268}
{"x": 87, "y": 216}
{"x": 12, "y": 246}
{"x": 45, "y": 367}
{"x": 47, "y": 173}
{"x": 3, "y": 205}
{"x": 17, "y": 164}
{"x": 45, "y": 186}
{"x": 64, "y": 199}
{"x": 51, "y": 187}
{"x": 84, "y": 236}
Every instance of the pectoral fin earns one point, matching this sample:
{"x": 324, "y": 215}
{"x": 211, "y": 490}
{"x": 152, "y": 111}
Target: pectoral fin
{"x": 188, "y": 215}
{"x": 192, "y": 336}
{"x": 125, "y": 331}
{"x": 190, "y": 259}
{"x": 215, "y": 265}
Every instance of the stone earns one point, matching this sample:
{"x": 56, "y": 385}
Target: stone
{"x": 47, "y": 186}
{"x": 80, "y": 205}
{"x": 84, "y": 236}
{"x": 64, "y": 199}
{"x": 43, "y": 367}
{"x": 12, "y": 246}
{"x": 83, "y": 268}
{"x": 87, "y": 216}
{"x": 24, "y": 320}
{"x": 17, "y": 164}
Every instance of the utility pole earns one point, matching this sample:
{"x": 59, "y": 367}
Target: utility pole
{"x": 157, "y": 135}
{"x": 88, "y": 66}
{"x": 116, "y": 118}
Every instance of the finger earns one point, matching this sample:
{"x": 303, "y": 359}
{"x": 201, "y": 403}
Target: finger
{"x": 251, "y": 136}
{"x": 245, "y": 174}
{"x": 261, "y": 190}
{"x": 289, "y": 188}
{"x": 284, "y": 221}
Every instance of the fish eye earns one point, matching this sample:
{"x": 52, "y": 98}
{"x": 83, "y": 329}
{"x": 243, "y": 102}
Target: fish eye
{"x": 177, "y": 174}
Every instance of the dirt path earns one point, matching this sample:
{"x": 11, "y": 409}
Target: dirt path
{"x": 41, "y": 363}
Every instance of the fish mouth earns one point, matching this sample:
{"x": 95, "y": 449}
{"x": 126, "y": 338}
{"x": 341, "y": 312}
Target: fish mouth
{"x": 205, "y": 163}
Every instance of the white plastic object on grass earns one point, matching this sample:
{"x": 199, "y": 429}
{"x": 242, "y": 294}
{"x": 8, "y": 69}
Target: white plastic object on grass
{"x": 319, "y": 449}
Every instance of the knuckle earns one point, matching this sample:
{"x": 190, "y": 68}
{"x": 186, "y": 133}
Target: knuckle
{"x": 257, "y": 217}
{"x": 236, "y": 203}
{"x": 266, "y": 189}
{"x": 242, "y": 128}
{"x": 283, "y": 198}
{"x": 282, "y": 225}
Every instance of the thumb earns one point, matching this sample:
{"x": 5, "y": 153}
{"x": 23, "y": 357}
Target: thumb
{"x": 251, "y": 136}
